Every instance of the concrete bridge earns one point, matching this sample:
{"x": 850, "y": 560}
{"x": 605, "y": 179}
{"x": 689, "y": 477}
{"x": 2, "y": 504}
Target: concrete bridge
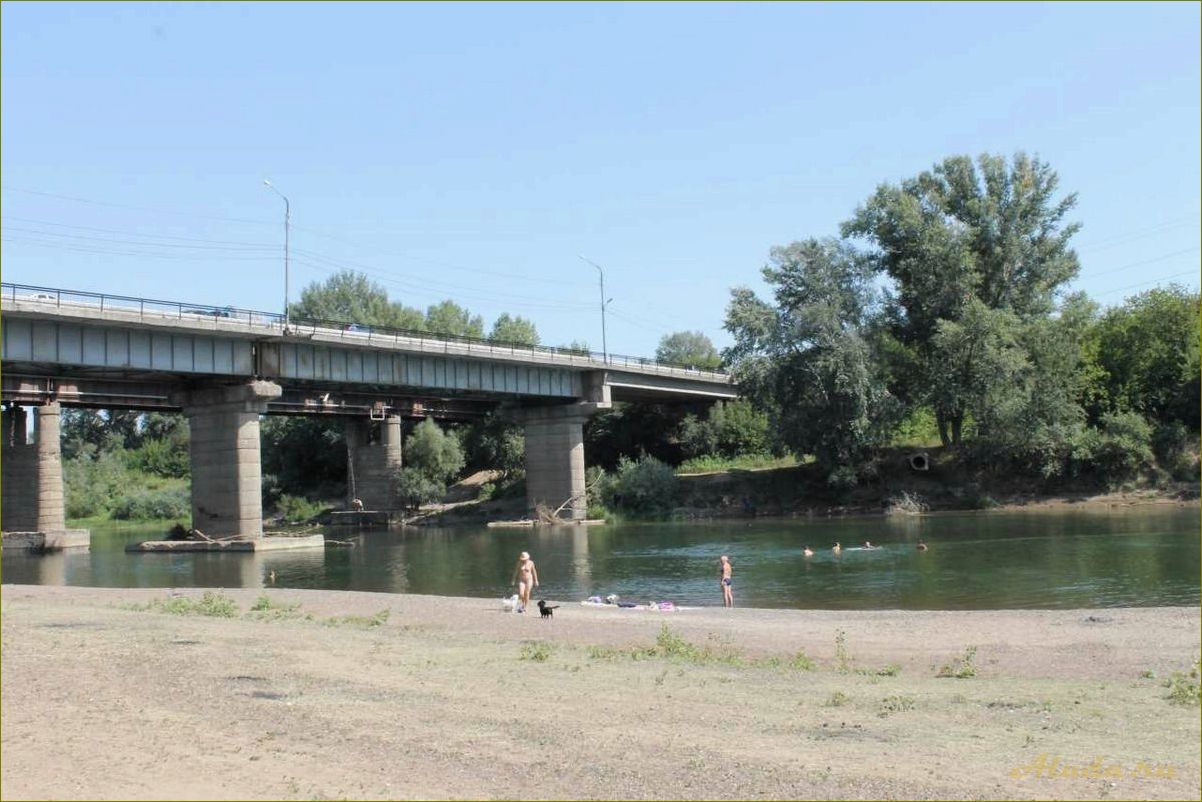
{"x": 224, "y": 367}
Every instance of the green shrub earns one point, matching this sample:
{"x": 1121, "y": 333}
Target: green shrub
{"x": 161, "y": 457}
{"x": 415, "y": 488}
{"x": 645, "y": 487}
{"x": 486, "y": 491}
{"x": 294, "y": 509}
{"x": 538, "y": 651}
{"x": 143, "y": 505}
{"x": 1125, "y": 445}
{"x": 215, "y": 605}
{"x": 962, "y": 667}
{"x": 1183, "y": 686}
{"x": 432, "y": 452}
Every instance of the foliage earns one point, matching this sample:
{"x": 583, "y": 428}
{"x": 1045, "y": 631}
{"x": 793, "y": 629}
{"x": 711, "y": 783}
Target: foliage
{"x": 537, "y": 651}
{"x": 161, "y": 457}
{"x": 711, "y": 464}
{"x": 306, "y": 454}
{"x": 296, "y": 509}
{"x": 632, "y": 430}
{"x": 642, "y": 487}
{"x": 729, "y": 429}
{"x": 917, "y": 429}
{"x": 433, "y": 452}
{"x": 376, "y": 619}
{"x": 513, "y": 329}
{"x": 988, "y": 232}
{"x": 1123, "y": 447}
{"x": 1147, "y": 353}
{"x": 806, "y": 360}
{"x": 493, "y": 443}
{"x": 961, "y": 666}
{"x": 575, "y": 347}
{"x": 141, "y": 505}
{"x": 214, "y": 605}
{"x": 689, "y": 348}
{"x": 352, "y": 297}
{"x": 415, "y": 487}
{"x": 449, "y": 318}
{"x": 1184, "y": 687}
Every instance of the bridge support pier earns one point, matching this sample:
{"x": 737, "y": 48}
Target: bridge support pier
{"x": 225, "y": 458}
{"x": 555, "y": 458}
{"x": 31, "y": 482}
{"x": 373, "y": 456}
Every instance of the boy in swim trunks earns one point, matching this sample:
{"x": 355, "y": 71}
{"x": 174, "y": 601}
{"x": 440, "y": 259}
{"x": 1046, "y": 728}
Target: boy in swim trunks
{"x": 728, "y": 598}
{"x": 526, "y": 575}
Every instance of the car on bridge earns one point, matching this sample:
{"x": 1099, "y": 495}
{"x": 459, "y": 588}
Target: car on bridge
{"x": 224, "y": 311}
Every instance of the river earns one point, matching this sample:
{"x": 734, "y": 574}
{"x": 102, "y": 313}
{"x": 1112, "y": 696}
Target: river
{"x": 1047, "y": 558}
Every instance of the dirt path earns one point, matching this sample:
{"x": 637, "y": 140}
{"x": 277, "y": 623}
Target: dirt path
{"x": 451, "y": 697}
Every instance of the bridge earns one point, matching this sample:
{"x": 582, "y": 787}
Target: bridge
{"x": 224, "y": 367}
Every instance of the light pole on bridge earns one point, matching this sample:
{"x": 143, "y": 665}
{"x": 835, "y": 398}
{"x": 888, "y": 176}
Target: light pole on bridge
{"x": 604, "y": 303}
{"x": 287, "y": 224}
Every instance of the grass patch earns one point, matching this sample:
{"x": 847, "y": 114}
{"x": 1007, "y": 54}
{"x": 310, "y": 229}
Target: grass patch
{"x": 747, "y": 462}
{"x": 671, "y": 645}
{"x": 961, "y": 667}
{"x": 214, "y": 605}
{"x": 267, "y": 609}
{"x": 1183, "y": 686}
{"x": 836, "y": 699}
{"x": 360, "y": 621}
{"x": 896, "y": 704}
{"x": 842, "y": 656}
{"x": 538, "y": 651}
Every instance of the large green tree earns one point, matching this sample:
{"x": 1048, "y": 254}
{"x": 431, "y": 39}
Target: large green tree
{"x": 449, "y": 318}
{"x": 990, "y": 233}
{"x": 352, "y": 297}
{"x": 691, "y": 348}
{"x": 513, "y": 329}
{"x": 805, "y": 360}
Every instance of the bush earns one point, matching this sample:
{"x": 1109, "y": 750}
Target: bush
{"x": 296, "y": 509}
{"x": 433, "y": 453}
{"x": 729, "y": 429}
{"x": 1171, "y": 444}
{"x": 486, "y": 491}
{"x": 1124, "y": 446}
{"x": 645, "y": 487}
{"x": 415, "y": 488}
{"x": 143, "y": 505}
{"x": 161, "y": 458}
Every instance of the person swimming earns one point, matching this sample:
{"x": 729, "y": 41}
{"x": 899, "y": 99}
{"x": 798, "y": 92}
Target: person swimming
{"x": 922, "y": 546}
{"x": 837, "y": 548}
{"x": 807, "y": 551}
{"x": 869, "y": 547}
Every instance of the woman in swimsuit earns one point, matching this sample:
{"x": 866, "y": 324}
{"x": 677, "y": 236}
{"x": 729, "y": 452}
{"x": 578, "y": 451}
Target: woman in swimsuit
{"x": 526, "y": 575}
{"x": 728, "y": 598}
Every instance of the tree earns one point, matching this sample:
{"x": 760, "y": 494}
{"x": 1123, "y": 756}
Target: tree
{"x": 729, "y": 429}
{"x": 517, "y": 329}
{"x": 351, "y": 297}
{"x": 433, "y": 452}
{"x": 575, "y": 347}
{"x": 493, "y": 443}
{"x": 1147, "y": 350}
{"x": 691, "y": 348}
{"x": 450, "y": 319}
{"x": 805, "y": 359}
{"x": 992, "y": 232}
{"x": 415, "y": 488}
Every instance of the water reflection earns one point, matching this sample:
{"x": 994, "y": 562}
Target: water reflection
{"x": 1075, "y": 558}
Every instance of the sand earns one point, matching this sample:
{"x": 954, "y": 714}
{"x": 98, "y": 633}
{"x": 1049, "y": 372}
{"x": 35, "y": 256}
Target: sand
{"x": 453, "y": 698}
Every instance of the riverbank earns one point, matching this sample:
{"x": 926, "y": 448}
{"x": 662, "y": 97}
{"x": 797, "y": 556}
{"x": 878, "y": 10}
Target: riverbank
{"x": 107, "y": 694}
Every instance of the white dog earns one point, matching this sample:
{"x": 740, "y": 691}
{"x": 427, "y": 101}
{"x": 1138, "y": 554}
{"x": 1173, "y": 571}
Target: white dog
{"x": 510, "y": 604}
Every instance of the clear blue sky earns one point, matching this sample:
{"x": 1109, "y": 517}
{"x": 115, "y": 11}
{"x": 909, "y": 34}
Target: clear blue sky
{"x": 473, "y": 151}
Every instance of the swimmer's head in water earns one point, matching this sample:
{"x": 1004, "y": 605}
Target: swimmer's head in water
{"x": 525, "y": 555}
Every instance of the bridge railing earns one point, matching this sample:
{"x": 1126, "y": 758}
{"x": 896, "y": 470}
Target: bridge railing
{"x": 230, "y": 317}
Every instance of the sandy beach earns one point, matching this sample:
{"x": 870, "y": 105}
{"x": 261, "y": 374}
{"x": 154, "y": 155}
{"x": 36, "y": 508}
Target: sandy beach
{"x": 108, "y": 694}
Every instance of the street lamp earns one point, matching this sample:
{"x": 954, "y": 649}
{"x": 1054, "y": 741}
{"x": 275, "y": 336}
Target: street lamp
{"x": 287, "y": 225}
{"x": 604, "y": 303}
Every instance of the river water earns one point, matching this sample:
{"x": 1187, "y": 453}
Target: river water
{"x": 1137, "y": 556}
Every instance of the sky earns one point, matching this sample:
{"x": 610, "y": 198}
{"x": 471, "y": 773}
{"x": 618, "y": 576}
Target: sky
{"x": 477, "y": 151}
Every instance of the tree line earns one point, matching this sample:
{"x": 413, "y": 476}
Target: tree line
{"x": 937, "y": 315}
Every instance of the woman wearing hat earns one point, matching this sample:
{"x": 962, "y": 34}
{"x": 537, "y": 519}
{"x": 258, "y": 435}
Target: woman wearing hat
{"x": 526, "y": 575}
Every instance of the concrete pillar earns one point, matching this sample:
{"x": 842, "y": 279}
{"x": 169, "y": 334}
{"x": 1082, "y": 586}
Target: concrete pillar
{"x": 555, "y": 458}
{"x": 224, "y": 452}
{"x": 31, "y": 484}
{"x": 373, "y": 456}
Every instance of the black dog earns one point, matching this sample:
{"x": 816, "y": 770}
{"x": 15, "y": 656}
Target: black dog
{"x": 545, "y": 609}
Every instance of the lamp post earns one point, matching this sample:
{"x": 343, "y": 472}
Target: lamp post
{"x": 287, "y": 225}
{"x": 604, "y": 303}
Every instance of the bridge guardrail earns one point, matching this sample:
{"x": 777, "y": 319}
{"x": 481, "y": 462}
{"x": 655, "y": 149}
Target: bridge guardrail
{"x": 359, "y": 331}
